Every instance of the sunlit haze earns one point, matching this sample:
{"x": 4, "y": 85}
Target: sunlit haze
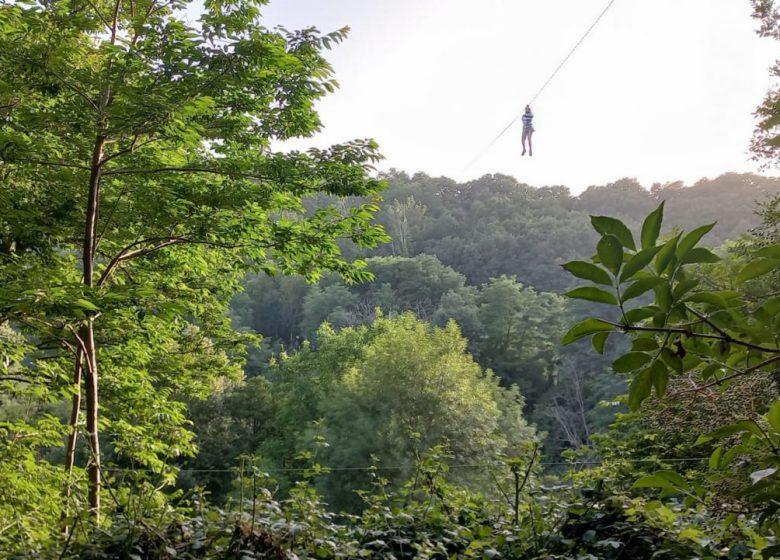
{"x": 662, "y": 90}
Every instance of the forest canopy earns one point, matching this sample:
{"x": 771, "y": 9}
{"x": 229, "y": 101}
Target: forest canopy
{"x": 214, "y": 348}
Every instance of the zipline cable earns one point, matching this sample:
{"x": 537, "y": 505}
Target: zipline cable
{"x": 571, "y": 52}
{"x": 412, "y": 467}
{"x": 544, "y": 86}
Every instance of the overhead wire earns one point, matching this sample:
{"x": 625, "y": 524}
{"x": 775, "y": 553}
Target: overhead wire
{"x": 327, "y": 470}
{"x": 544, "y": 85}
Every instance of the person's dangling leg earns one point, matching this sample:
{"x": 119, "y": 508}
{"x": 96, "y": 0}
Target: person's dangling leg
{"x": 525, "y": 136}
{"x": 530, "y": 147}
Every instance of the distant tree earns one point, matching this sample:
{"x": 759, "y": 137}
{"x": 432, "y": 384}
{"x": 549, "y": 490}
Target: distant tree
{"x": 625, "y": 197}
{"x": 231, "y": 422}
{"x": 462, "y": 306}
{"x": 766, "y": 140}
{"x": 418, "y": 283}
{"x": 272, "y": 306}
{"x": 389, "y": 390}
{"x": 404, "y": 218}
{"x": 519, "y": 326}
{"x": 332, "y": 304}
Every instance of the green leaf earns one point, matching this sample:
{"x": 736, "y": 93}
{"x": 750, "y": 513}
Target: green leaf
{"x": 652, "y": 227}
{"x": 771, "y": 252}
{"x": 599, "y": 341}
{"x": 689, "y": 241}
{"x": 714, "y": 462}
{"x": 638, "y": 261}
{"x": 592, "y": 294}
{"x": 729, "y": 430}
{"x": 757, "y": 268}
{"x": 640, "y": 389}
{"x": 660, "y": 377}
{"x": 710, "y": 298}
{"x": 672, "y": 360}
{"x": 771, "y": 307}
{"x": 644, "y": 344}
{"x": 709, "y": 371}
{"x": 606, "y": 225}
{"x": 588, "y": 271}
{"x": 735, "y": 451}
{"x": 585, "y": 328}
{"x": 684, "y": 287}
{"x": 665, "y": 255}
{"x": 700, "y": 255}
{"x": 653, "y": 481}
{"x": 639, "y": 314}
{"x": 85, "y": 304}
{"x": 773, "y": 416}
{"x": 673, "y": 478}
{"x": 663, "y": 296}
{"x": 610, "y": 252}
{"x": 631, "y": 361}
{"x": 640, "y": 287}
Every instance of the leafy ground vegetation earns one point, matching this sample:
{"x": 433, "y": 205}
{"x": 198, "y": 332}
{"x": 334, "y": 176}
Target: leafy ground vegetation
{"x": 466, "y": 403}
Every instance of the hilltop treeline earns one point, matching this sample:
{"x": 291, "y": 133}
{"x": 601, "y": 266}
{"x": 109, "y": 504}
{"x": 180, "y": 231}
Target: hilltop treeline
{"x": 496, "y": 225}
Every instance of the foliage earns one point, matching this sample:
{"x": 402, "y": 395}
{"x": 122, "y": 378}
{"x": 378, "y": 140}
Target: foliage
{"x": 389, "y": 390}
{"x": 139, "y": 186}
{"x": 427, "y": 517}
{"x": 518, "y": 327}
{"x": 766, "y": 139}
{"x": 695, "y": 338}
{"x": 496, "y": 225}
{"x": 510, "y": 328}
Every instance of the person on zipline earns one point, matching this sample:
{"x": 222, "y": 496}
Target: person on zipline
{"x": 528, "y": 129}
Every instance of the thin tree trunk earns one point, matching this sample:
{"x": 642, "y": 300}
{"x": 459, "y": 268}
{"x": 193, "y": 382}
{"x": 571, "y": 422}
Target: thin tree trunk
{"x": 91, "y": 386}
{"x": 87, "y": 332}
{"x": 70, "y": 455}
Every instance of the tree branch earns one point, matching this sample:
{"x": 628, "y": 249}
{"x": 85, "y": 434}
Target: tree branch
{"x": 127, "y": 253}
{"x": 134, "y": 145}
{"x": 16, "y": 378}
{"x": 709, "y": 322}
{"x": 738, "y": 373}
{"x": 99, "y": 15}
{"x": 688, "y": 332}
{"x": 49, "y": 163}
{"x": 187, "y": 170}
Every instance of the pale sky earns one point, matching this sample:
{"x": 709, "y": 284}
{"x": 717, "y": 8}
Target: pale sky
{"x": 662, "y": 90}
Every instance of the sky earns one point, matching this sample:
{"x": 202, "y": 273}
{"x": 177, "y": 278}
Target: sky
{"x": 661, "y": 90}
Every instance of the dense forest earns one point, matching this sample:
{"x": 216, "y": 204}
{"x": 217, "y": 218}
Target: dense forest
{"x": 484, "y": 255}
{"x": 211, "y": 349}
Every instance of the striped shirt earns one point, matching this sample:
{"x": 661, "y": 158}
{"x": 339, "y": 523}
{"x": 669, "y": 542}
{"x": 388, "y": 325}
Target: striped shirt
{"x": 528, "y": 119}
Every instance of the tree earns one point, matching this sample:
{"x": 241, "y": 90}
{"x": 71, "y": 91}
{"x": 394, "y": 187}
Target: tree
{"x": 136, "y": 150}
{"x": 519, "y": 326}
{"x": 330, "y": 304}
{"x": 766, "y": 140}
{"x": 402, "y": 218}
{"x": 390, "y": 390}
{"x": 228, "y": 424}
{"x": 272, "y": 306}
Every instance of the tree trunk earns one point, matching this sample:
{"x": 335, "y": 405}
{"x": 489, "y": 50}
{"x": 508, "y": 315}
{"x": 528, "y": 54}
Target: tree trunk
{"x": 91, "y": 386}
{"x": 70, "y": 455}
{"x": 87, "y": 332}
